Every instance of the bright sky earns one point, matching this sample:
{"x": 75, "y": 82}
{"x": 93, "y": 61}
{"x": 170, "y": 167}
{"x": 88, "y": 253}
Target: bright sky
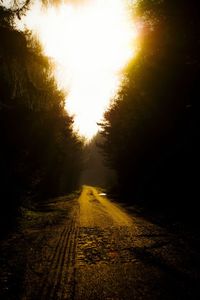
{"x": 91, "y": 42}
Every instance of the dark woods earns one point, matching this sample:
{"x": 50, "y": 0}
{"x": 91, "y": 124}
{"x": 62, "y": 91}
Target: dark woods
{"x": 40, "y": 156}
{"x": 151, "y": 133}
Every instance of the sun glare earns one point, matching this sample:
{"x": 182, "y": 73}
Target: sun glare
{"x": 91, "y": 42}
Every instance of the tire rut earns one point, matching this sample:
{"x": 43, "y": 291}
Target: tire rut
{"x": 59, "y": 281}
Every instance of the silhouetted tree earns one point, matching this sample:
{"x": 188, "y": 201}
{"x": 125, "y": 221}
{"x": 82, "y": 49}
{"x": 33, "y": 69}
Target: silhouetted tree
{"x": 40, "y": 156}
{"x": 151, "y": 132}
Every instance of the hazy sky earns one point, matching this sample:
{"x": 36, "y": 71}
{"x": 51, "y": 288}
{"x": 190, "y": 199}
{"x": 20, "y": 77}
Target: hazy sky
{"x": 91, "y": 41}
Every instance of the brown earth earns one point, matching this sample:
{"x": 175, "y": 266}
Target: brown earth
{"x": 89, "y": 247}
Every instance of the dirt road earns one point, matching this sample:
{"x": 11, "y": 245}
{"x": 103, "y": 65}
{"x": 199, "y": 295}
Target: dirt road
{"x": 125, "y": 257}
{"x": 99, "y": 251}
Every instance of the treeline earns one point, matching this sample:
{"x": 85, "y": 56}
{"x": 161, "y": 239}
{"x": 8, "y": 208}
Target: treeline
{"x": 151, "y": 133}
{"x": 95, "y": 172}
{"x": 40, "y": 156}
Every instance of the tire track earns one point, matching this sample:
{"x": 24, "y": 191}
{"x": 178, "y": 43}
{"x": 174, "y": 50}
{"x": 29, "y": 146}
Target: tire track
{"x": 59, "y": 279}
{"x": 68, "y": 283}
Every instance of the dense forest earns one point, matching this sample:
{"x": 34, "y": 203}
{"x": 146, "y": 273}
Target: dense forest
{"x": 40, "y": 156}
{"x": 151, "y": 132}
